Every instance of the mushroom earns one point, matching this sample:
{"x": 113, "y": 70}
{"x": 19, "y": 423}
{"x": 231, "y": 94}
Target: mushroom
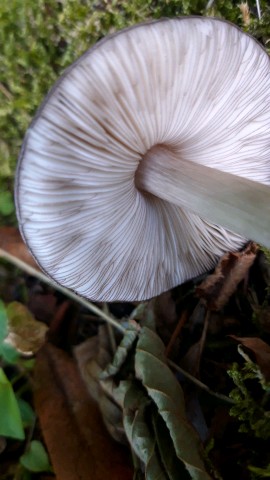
{"x": 150, "y": 136}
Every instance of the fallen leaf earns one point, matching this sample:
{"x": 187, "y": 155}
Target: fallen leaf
{"x": 137, "y": 417}
{"x": 43, "y": 306}
{"x": 25, "y": 333}
{"x": 262, "y": 313}
{"x": 166, "y": 393}
{"x": 190, "y": 362}
{"x": 154, "y": 414}
{"x": 166, "y": 318}
{"x": 77, "y": 441}
{"x": 92, "y": 357}
{"x": 244, "y": 8}
{"x": 232, "y": 268}
{"x": 3, "y": 444}
{"x": 122, "y": 351}
{"x": 12, "y": 242}
{"x": 176, "y": 333}
{"x": 261, "y": 351}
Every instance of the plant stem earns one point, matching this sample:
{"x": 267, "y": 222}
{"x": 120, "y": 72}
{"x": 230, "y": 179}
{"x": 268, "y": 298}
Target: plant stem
{"x": 258, "y": 9}
{"x": 199, "y": 384}
{"x": 236, "y": 203}
{"x": 68, "y": 293}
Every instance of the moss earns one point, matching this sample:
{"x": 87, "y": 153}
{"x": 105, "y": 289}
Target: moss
{"x": 253, "y": 412}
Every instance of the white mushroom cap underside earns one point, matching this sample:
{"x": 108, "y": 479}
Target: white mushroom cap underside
{"x": 197, "y": 84}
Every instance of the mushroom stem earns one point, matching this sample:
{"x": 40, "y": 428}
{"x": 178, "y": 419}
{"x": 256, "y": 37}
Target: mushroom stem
{"x": 236, "y": 203}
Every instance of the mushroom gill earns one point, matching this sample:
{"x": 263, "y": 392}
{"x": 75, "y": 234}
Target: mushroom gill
{"x": 200, "y": 87}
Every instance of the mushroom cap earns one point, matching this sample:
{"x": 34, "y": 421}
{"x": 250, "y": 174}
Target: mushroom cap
{"x": 198, "y": 85}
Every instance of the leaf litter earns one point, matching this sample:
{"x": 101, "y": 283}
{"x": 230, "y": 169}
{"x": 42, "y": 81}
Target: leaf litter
{"x": 139, "y": 398}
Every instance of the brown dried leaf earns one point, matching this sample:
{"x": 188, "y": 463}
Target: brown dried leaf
{"x": 42, "y": 305}
{"x": 12, "y": 242}
{"x": 232, "y": 268}
{"x": 78, "y": 443}
{"x": 244, "y": 8}
{"x": 164, "y": 308}
{"x": 25, "y": 333}
{"x": 261, "y": 351}
{"x": 3, "y": 444}
{"x": 166, "y": 320}
{"x": 262, "y": 313}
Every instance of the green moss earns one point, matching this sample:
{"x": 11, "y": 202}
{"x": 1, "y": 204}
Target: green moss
{"x": 252, "y": 410}
{"x": 260, "y": 472}
{"x": 252, "y": 413}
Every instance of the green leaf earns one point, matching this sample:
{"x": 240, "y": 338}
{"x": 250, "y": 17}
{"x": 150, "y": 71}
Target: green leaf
{"x": 154, "y": 415}
{"x": 144, "y": 315}
{"x": 27, "y": 413}
{"x": 25, "y": 475}
{"x": 162, "y": 387}
{"x": 36, "y": 458}
{"x": 260, "y": 472}
{"x": 6, "y": 203}
{"x": 9, "y": 353}
{"x": 10, "y": 420}
{"x": 171, "y": 464}
{"x": 3, "y": 322}
{"x": 139, "y": 434}
{"x": 149, "y": 436}
{"x": 122, "y": 351}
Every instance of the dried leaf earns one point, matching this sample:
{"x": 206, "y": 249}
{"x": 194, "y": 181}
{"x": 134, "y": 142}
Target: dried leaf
{"x": 11, "y": 241}
{"x": 43, "y": 305}
{"x": 261, "y": 351}
{"x": 113, "y": 418}
{"x": 165, "y": 317}
{"x": 3, "y": 444}
{"x": 25, "y": 333}
{"x": 78, "y": 443}
{"x": 262, "y": 313}
{"x": 232, "y": 268}
{"x": 162, "y": 387}
{"x": 244, "y": 8}
{"x": 92, "y": 357}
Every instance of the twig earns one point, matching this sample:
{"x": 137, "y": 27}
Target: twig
{"x": 68, "y": 293}
{"x": 199, "y": 384}
{"x": 202, "y": 339}
{"x": 110, "y": 329}
{"x": 5, "y": 91}
{"x": 259, "y": 9}
{"x": 176, "y": 332}
{"x": 209, "y": 4}
{"x": 58, "y": 318}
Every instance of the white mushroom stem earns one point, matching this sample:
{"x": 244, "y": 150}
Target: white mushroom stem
{"x": 236, "y": 203}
